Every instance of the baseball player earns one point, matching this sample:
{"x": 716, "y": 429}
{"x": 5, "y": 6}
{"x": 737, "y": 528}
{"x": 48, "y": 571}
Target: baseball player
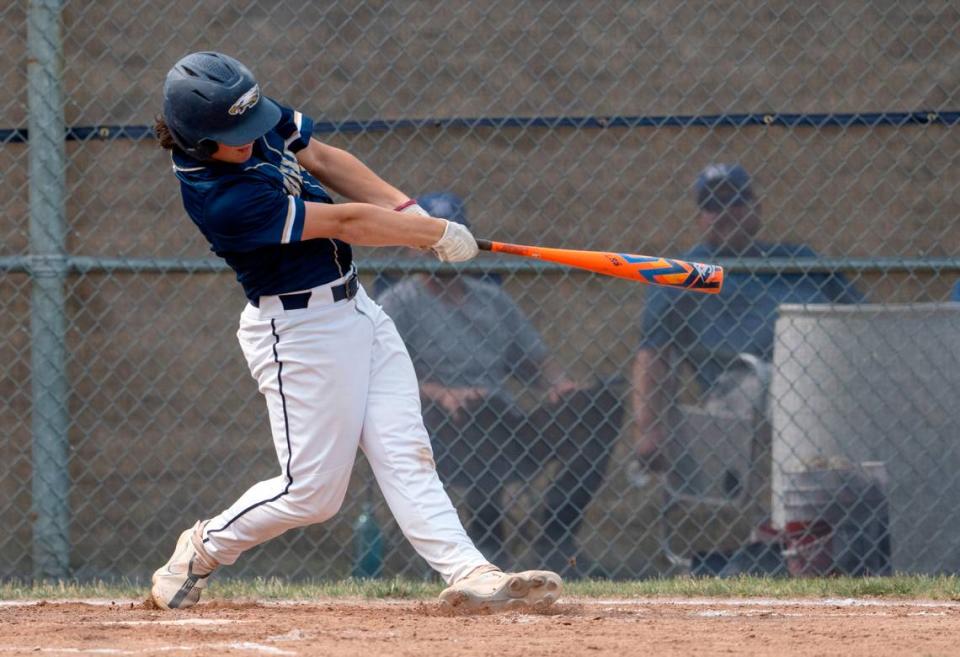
{"x": 329, "y": 362}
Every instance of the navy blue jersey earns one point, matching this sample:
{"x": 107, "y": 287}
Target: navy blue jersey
{"x": 252, "y": 214}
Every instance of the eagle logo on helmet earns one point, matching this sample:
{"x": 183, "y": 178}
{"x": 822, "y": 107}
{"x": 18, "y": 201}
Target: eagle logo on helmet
{"x": 246, "y": 101}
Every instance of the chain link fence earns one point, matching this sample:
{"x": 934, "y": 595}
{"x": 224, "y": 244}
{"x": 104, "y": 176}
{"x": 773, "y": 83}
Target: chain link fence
{"x": 802, "y": 422}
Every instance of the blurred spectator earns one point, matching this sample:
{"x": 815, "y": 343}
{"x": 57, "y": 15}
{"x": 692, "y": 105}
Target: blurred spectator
{"x": 711, "y": 334}
{"x": 468, "y": 340}
{"x": 446, "y": 205}
{"x": 955, "y": 292}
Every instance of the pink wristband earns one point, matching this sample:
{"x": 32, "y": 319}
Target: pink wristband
{"x": 404, "y": 206}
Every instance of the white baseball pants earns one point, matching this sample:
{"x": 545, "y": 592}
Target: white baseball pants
{"x": 336, "y": 375}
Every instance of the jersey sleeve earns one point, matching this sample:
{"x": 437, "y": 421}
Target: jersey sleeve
{"x": 247, "y": 214}
{"x": 295, "y": 127}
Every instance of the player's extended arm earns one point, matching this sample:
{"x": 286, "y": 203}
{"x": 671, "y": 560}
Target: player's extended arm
{"x": 345, "y": 174}
{"x": 368, "y": 225}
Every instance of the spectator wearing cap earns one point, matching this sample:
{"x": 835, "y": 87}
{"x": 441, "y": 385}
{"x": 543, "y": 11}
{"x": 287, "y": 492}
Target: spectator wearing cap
{"x": 708, "y": 333}
{"x": 468, "y": 340}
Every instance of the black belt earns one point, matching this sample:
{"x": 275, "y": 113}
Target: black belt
{"x": 346, "y": 290}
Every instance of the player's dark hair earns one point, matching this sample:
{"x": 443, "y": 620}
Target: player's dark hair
{"x": 163, "y": 134}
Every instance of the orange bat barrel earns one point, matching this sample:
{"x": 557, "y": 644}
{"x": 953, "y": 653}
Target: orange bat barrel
{"x": 668, "y": 272}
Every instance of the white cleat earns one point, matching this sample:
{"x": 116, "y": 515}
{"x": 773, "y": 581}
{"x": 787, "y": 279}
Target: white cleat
{"x": 490, "y": 589}
{"x": 179, "y": 583}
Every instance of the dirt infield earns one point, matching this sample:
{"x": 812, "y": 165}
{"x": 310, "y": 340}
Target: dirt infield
{"x": 574, "y": 627}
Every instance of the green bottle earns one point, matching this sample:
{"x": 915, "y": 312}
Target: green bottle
{"x": 367, "y": 545}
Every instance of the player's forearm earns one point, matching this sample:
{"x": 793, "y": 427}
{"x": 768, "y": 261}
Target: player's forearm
{"x": 367, "y": 225}
{"x": 345, "y": 174}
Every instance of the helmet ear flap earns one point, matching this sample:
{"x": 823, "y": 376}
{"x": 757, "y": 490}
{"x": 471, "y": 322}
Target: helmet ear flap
{"x": 204, "y": 149}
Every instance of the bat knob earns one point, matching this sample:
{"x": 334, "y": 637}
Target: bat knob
{"x": 485, "y": 245}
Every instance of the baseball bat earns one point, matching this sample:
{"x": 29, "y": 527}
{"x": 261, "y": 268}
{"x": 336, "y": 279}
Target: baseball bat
{"x": 652, "y": 270}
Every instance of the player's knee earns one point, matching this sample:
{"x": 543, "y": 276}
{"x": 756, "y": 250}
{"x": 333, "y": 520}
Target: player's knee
{"x": 317, "y": 501}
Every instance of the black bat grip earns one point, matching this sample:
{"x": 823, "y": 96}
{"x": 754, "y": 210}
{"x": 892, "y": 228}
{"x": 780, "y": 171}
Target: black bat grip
{"x": 484, "y": 245}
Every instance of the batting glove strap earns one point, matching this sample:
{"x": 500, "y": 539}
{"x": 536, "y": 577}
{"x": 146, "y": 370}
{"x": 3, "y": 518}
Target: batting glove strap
{"x": 411, "y": 207}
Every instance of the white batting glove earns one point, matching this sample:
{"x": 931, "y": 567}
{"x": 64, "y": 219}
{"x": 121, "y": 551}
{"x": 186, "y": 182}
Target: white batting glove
{"x": 456, "y": 245}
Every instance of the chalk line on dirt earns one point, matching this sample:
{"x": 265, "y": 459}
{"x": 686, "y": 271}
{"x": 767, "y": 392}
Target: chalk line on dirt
{"x": 653, "y": 602}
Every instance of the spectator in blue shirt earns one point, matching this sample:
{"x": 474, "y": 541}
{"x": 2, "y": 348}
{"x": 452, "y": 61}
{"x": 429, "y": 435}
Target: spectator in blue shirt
{"x": 708, "y": 332}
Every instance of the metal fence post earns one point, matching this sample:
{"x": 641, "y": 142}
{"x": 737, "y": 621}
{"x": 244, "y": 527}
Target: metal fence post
{"x": 50, "y": 418}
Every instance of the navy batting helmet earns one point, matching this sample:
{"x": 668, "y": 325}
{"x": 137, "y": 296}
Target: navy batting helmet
{"x": 210, "y": 97}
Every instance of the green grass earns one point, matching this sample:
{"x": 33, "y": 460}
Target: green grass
{"x": 903, "y": 586}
